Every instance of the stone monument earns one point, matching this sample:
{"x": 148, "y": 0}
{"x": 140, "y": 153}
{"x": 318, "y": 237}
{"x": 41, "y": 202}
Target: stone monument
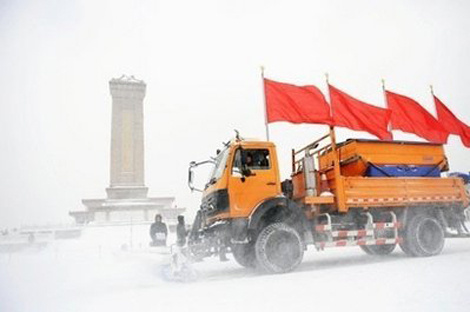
{"x": 127, "y": 199}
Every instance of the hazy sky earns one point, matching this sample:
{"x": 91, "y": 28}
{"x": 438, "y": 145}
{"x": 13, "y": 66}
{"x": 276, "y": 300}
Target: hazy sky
{"x": 200, "y": 60}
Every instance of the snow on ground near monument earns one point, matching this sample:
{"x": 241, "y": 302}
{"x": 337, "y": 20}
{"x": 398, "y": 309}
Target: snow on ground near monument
{"x": 97, "y": 273}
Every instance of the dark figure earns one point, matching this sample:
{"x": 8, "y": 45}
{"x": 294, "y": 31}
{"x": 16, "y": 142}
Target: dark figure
{"x": 181, "y": 232}
{"x": 249, "y": 160}
{"x": 31, "y": 238}
{"x": 158, "y": 232}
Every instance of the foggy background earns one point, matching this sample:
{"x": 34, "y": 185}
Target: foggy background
{"x": 200, "y": 60}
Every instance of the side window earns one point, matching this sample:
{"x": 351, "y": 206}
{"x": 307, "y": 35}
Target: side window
{"x": 257, "y": 159}
{"x": 237, "y": 163}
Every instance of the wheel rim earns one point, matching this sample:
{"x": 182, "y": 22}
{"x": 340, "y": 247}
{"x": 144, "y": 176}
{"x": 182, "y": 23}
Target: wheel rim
{"x": 282, "y": 249}
{"x": 430, "y": 236}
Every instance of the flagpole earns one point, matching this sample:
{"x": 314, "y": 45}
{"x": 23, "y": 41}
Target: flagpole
{"x": 434, "y": 101}
{"x": 433, "y": 98}
{"x": 265, "y": 105}
{"x": 332, "y": 127}
{"x": 384, "y": 91}
{"x": 339, "y": 192}
{"x": 327, "y": 78}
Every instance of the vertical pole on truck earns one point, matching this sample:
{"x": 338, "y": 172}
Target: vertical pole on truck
{"x": 389, "y": 126}
{"x": 432, "y": 93}
{"x": 384, "y": 91}
{"x": 265, "y": 105}
{"x": 327, "y": 78}
{"x": 293, "y": 160}
{"x": 339, "y": 187}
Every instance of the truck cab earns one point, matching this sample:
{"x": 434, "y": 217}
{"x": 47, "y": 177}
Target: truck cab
{"x": 245, "y": 174}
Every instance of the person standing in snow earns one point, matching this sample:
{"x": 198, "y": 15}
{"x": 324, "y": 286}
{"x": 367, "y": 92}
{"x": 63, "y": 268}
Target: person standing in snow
{"x": 181, "y": 232}
{"x": 158, "y": 232}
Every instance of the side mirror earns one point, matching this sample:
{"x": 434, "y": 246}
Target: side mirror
{"x": 192, "y": 166}
{"x": 191, "y": 176}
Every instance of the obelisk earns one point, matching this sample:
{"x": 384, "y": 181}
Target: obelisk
{"x": 127, "y": 199}
{"x": 127, "y": 139}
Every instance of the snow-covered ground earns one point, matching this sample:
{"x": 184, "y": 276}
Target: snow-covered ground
{"x": 111, "y": 269}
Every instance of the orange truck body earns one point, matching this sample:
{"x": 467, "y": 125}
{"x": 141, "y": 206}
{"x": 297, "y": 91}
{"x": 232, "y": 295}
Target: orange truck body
{"x": 372, "y": 194}
{"x": 352, "y": 189}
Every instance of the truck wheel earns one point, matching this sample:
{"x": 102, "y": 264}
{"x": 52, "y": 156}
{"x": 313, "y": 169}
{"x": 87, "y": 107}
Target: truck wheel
{"x": 423, "y": 236}
{"x": 378, "y": 250}
{"x": 405, "y": 246}
{"x": 244, "y": 254}
{"x": 279, "y": 248}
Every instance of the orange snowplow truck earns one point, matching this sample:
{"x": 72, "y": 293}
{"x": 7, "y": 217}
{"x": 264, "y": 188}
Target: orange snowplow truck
{"x": 371, "y": 194}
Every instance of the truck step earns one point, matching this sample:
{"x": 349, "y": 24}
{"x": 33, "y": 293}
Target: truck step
{"x": 358, "y": 233}
{"x": 342, "y": 243}
{"x": 376, "y": 226}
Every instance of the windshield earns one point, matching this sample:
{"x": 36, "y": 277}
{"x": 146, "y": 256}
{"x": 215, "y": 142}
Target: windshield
{"x": 220, "y": 163}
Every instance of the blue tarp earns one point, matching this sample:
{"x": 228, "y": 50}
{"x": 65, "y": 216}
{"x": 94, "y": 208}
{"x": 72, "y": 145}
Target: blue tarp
{"x": 464, "y": 176}
{"x": 403, "y": 171}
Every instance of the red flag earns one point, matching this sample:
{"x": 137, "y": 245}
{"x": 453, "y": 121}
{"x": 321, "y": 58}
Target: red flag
{"x": 451, "y": 123}
{"x": 354, "y": 114}
{"x": 296, "y": 104}
{"x": 465, "y": 136}
{"x": 409, "y": 116}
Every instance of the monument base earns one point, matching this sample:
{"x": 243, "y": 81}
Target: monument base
{"x": 118, "y": 211}
{"x": 124, "y": 192}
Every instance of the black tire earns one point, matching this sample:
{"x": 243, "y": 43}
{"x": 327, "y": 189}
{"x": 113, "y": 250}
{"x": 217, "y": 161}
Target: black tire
{"x": 244, "y": 254}
{"x": 423, "y": 236}
{"x": 279, "y": 248}
{"x": 378, "y": 250}
{"x": 405, "y": 246}
{"x": 366, "y": 250}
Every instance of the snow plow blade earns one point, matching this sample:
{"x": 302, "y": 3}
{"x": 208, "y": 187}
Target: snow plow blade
{"x": 180, "y": 268}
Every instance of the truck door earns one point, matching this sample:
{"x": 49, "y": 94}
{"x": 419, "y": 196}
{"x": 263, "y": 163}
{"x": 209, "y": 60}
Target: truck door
{"x": 246, "y": 192}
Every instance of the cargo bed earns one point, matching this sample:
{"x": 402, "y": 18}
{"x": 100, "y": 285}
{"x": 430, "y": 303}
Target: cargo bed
{"x": 386, "y": 158}
{"x": 339, "y": 186}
